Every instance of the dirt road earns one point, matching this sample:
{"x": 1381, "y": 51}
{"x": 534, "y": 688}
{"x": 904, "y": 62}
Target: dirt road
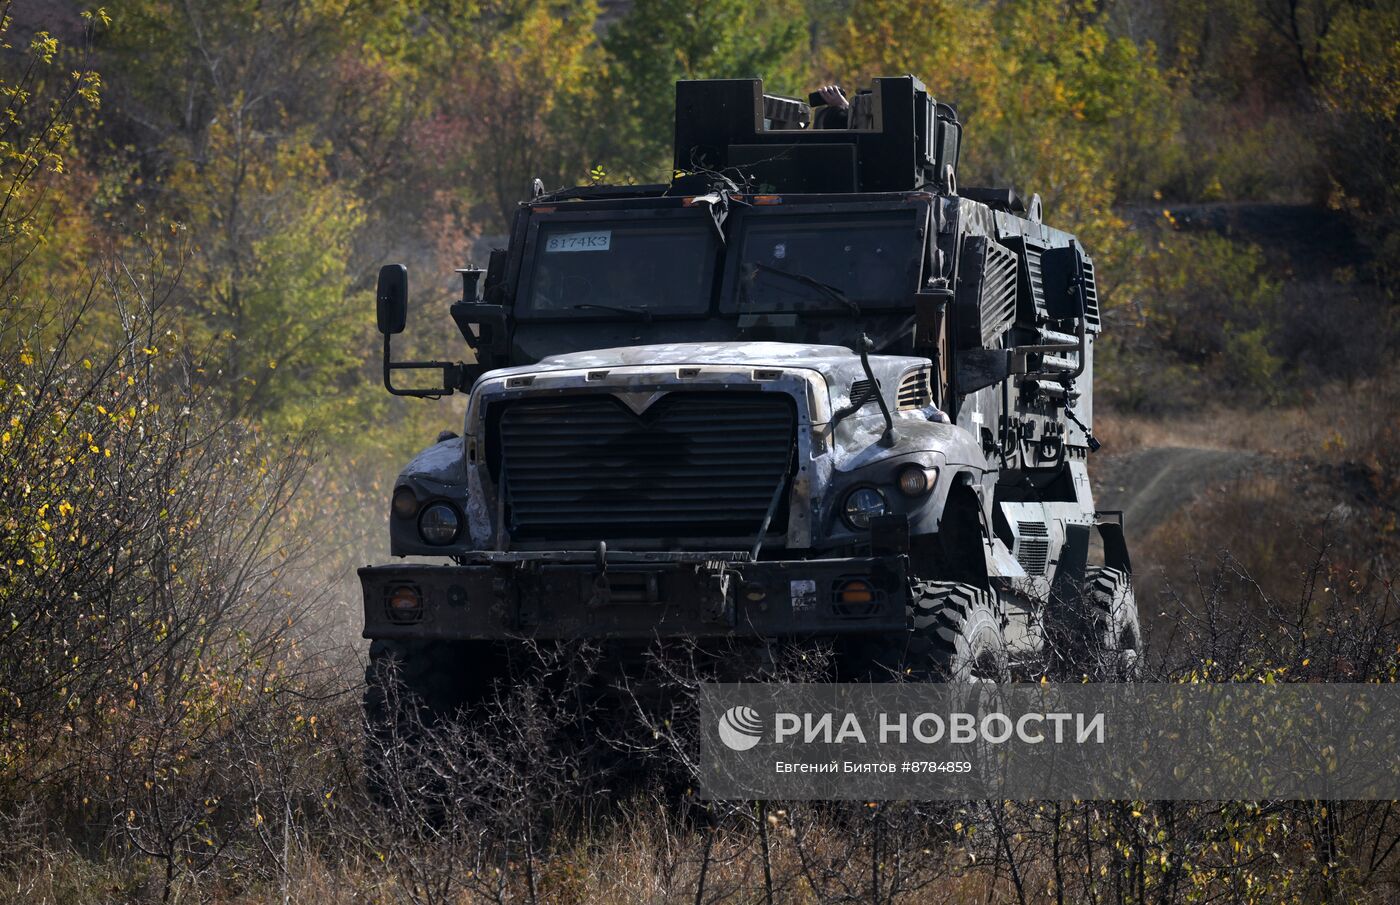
{"x": 1151, "y": 484}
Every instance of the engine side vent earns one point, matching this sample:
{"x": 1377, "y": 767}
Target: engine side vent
{"x": 862, "y": 393}
{"x": 1036, "y": 275}
{"x": 1033, "y": 546}
{"x": 1091, "y": 297}
{"x": 1030, "y": 293}
{"x": 914, "y": 392}
{"x": 986, "y": 293}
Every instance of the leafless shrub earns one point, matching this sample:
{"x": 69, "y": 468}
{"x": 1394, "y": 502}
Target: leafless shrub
{"x": 151, "y": 647}
{"x": 174, "y": 731}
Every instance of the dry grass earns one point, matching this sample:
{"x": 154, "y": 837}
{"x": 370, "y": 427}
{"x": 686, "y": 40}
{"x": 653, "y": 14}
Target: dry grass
{"x": 1335, "y": 421}
{"x": 650, "y": 858}
{"x": 1256, "y": 527}
{"x": 1331, "y": 481}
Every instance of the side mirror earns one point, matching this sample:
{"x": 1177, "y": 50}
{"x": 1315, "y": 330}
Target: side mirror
{"x": 391, "y": 309}
{"x": 1062, "y": 279}
{"x": 391, "y": 298}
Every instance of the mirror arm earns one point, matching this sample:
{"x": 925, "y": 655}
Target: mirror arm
{"x": 452, "y": 375}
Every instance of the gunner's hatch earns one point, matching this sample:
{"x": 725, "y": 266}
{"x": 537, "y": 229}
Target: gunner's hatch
{"x": 902, "y": 139}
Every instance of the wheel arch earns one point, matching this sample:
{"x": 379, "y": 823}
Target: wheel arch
{"x": 952, "y": 545}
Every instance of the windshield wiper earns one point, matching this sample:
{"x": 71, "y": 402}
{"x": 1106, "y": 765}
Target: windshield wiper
{"x": 825, "y": 289}
{"x": 643, "y": 314}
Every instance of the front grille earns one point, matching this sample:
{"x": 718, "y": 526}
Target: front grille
{"x": 694, "y": 464}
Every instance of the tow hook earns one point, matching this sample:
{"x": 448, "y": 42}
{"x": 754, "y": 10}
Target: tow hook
{"x": 717, "y": 582}
{"x": 602, "y": 591}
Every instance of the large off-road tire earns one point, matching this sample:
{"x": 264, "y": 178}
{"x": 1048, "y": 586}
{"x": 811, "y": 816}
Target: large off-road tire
{"x": 957, "y": 630}
{"x": 954, "y": 634}
{"x": 425, "y": 679}
{"x": 1114, "y": 632}
{"x": 411, "y": 686}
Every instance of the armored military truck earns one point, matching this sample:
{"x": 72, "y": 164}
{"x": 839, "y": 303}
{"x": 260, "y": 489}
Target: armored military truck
{"x": 809, "y": 389}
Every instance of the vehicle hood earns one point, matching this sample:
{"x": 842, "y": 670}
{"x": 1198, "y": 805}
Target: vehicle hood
{"x": 839, "y": 365}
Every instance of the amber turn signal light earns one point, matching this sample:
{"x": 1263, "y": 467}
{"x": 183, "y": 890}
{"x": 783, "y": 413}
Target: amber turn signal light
{"x": 855, "y": 591}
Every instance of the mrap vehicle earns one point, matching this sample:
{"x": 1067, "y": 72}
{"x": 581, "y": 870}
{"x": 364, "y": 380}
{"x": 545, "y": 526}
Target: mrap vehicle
{"x": 809, "y": 390}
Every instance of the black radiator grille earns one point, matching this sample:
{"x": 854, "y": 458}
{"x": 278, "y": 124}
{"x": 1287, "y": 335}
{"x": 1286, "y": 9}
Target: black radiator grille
{"x": 694, "y": 464}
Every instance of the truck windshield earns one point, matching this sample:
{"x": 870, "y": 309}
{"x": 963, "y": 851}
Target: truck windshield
{"x": 621, "y": 268}
{"x": 789, "y": 263}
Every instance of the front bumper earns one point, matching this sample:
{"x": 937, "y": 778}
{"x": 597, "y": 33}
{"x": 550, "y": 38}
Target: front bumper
{"x": 498, "y": 596}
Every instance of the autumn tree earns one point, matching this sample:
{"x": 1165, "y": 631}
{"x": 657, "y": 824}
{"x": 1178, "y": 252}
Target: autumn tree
{"x": 1052, "y": 103}
{"x": 522, "y": 105}
{"x": 231, "y": 102}
{"x": 1360, "y": 75}
{"x": 662, "y": 41}
{"x": 48, "y": 90}
{"x": 268, "y": 283}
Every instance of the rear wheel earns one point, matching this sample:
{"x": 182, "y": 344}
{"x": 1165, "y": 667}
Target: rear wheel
{"x": 1096, "y": 634}
{"x": 1114, "y": 631}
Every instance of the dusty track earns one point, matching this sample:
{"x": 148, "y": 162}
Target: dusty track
{"x": 1148, "y": 485}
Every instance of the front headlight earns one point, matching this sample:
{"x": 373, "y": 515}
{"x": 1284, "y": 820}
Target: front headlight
{"x": 439, "y": 524}
{"x": 862, "y": 505}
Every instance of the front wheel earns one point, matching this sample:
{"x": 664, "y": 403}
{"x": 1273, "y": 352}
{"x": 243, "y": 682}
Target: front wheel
{"x": 959, "y": 627}
{"x": 412, "y": 686}
{"x": 954, "y": 634}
